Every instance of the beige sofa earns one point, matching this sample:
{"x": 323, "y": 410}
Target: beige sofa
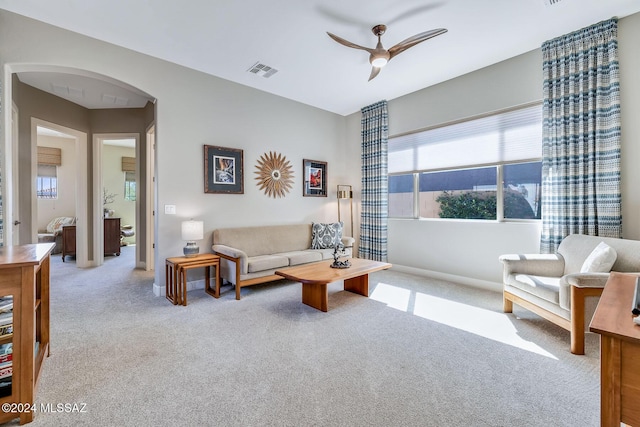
{"x": 251, "y": 255}
{"x": 565, "y": 287}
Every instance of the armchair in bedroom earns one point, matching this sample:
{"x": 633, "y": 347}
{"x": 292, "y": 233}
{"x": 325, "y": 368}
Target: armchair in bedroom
{"x": 53, "y": 232}
{"x": 565, "y": 287}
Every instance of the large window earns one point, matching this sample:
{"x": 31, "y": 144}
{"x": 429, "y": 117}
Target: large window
{"x": 47, "y": 182}
{"x": 483, "y": 168}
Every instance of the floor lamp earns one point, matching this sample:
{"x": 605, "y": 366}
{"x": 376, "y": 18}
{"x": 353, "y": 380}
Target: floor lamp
{"x": 346, "y": 192}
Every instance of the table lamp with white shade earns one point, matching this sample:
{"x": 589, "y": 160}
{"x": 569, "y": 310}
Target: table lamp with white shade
{"x": 192, "y": 231}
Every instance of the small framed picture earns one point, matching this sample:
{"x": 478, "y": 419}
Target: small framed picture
{"x": 315, "y": 178}
{"x": 223, "y": 170}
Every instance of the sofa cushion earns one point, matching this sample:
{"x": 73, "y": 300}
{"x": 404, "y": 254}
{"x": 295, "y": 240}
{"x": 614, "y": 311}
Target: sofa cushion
{"x": 266, "y": 262}
{"x": 271, "y": 239}
{"x": 547, "y": 288}
{"x": 325, "y": 253}
{"x": 324, "y": 236}
{"x": 600, "y": 260}
{"x": 328, "y": 253}
{"x": 301, "y": 257}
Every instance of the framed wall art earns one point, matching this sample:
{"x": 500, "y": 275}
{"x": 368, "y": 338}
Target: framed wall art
{"x": 275, "y": 176}
{"x": 223, "y": 170}
{"x": 315, "y": 178}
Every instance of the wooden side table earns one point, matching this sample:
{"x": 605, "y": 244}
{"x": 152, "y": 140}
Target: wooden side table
{"x": 176, "y": 276}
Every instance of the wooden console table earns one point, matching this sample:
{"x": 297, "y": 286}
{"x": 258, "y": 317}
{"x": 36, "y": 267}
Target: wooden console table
{"x": 176, "y": 276}
{"x": 24, "y": 276}
{"x": 619, "y": 352}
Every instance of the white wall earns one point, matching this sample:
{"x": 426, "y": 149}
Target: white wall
{"x": 470, "y": 249}
{"x": 65, "y": 204}
{"x": 194, "y": 109}
{"x": 113, "y": 180}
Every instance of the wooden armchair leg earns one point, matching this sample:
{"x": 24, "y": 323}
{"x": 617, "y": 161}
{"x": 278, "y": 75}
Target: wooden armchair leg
{"x": 577, "y": 336}
{"x": 238, "y": 279}
{"x": 578, "y": 300}
{"x": 577, "y": 320}
{"x": 507, "y": 305}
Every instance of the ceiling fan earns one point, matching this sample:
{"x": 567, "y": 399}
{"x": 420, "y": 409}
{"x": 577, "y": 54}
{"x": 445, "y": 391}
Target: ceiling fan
{"x": 379, "y": 56}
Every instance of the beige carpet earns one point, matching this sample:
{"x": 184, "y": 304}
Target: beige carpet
{"x": 418, "y": 352}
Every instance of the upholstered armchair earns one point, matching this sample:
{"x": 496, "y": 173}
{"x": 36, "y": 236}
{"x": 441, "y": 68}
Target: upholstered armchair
{"x": 53, "y": 232}
{"x": 565, "y": 287}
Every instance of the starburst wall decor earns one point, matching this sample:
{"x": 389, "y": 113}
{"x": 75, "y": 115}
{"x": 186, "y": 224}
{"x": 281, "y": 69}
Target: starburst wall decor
{"x": 274, "y": 174}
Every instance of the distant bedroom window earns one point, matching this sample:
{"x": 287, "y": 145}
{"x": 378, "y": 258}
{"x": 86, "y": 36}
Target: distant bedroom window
{"x": 47, "y": 182}
{"x": 130, "y": 186}
{"x": 486, "y": 167}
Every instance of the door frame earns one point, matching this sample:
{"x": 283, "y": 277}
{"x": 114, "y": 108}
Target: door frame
{"x": 150, "y": 199}
{"x": 81, "y": 187}
{"x": 13, "y": 231}
{"x": 98, "y": 185}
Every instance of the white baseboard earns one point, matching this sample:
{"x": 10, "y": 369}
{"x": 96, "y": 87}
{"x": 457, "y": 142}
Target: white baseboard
{"x": 469, "y": 281}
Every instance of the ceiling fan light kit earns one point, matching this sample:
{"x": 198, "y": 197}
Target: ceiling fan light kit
{"x": 379, "y": 61}
{"x": 379, "y": 56}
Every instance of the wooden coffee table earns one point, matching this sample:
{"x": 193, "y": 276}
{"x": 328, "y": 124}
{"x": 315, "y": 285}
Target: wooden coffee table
{"x": 315, "y": 277}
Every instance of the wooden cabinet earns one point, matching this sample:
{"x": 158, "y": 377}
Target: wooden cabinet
{"x": 68, "y": 240}
{"x": 24, "y": 282}
{"x": 111, "y": 238}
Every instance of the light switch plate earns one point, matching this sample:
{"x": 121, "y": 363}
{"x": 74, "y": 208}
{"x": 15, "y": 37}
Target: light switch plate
{"x": 170, "y": 209}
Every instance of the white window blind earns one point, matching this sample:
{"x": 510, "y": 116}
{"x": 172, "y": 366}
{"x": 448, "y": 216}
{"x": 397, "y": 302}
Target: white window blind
{"x": 47, "y": 171}
{"x": 500, "y": 138}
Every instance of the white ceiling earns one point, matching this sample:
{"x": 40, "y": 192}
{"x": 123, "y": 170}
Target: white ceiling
{"x": 226, "y": 38}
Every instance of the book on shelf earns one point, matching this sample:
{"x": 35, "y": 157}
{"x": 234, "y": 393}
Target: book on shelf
{"x": 6, "y": 318}
{"x": 6, "y": 304}
{"x": 6, "y": 348}
{"x": 6, "y": 330}
{"x": 5, "y": 372}
{"x": 5, "y": 386}
{"x": 5, "y": 358}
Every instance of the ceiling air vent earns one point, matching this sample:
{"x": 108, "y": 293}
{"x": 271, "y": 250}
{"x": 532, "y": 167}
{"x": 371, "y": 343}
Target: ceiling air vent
{"x": 549, "y": 3}
{"x": 262, "y": 70}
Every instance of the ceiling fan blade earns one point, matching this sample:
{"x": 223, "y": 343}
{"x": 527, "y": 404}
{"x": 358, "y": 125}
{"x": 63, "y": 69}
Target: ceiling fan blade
{"x": 374, "y": 72}
{"x": 348, "y": 43}
{"x": 412, "y": 41}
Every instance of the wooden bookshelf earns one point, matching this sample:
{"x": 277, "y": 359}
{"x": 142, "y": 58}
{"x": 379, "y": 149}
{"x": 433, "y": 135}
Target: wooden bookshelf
{"x": 619, "y": 352}
{"x": 24, "y": 275}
